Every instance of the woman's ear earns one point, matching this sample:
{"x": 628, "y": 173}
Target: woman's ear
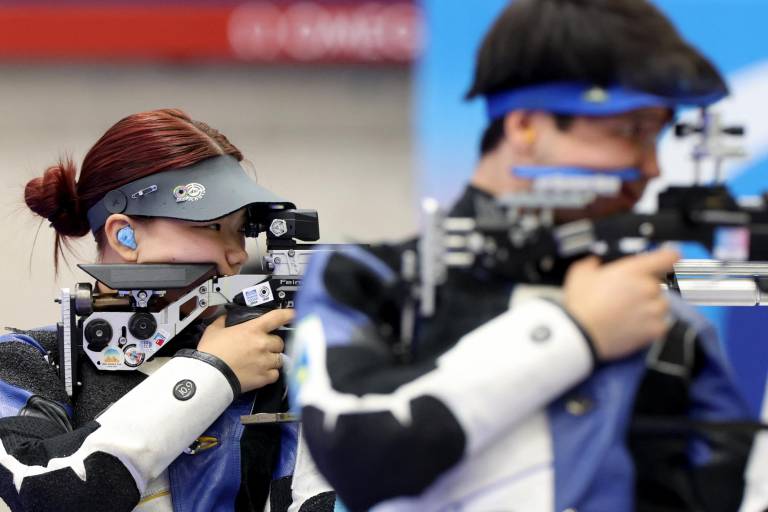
{"x": 121, "y": 236}
{"x": 520, "y": 133}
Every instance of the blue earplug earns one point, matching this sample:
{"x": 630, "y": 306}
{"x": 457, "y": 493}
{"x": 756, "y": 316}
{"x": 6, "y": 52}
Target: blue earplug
{"x": 126, "y": 237}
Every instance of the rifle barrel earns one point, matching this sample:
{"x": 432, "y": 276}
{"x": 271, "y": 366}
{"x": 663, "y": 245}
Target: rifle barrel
{"x": 720, "y": 269}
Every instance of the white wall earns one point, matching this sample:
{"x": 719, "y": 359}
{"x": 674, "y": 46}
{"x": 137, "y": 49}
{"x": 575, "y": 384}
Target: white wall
{"x": 334, "y": 139}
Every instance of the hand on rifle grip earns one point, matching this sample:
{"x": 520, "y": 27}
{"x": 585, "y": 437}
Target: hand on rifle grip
{"x": 620, "y": 304}
{"x": 249, "y": 349}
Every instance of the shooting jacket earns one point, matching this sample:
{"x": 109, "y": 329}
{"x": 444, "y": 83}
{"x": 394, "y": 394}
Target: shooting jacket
{"x": 141, "y": 440}
{"x": 499, "y": 407}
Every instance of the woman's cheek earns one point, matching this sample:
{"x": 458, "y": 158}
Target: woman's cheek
{"x": 203, "y": 251}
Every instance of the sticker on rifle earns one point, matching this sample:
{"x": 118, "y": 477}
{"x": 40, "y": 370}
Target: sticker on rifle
{"x": 160, "y": 337}
{"x": 731, "y": 244}
{"x": 133, "y": 356}
{"x": 257, "y": 295}
{"x": 111, "y": 357}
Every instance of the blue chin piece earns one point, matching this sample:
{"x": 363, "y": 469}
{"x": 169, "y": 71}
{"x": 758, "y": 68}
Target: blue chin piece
{"x": 580, "y": 99}
{"x": 533, "y": 172}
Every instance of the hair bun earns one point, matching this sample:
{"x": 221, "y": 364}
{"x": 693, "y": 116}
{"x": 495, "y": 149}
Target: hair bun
{"x": 54, "y": 197}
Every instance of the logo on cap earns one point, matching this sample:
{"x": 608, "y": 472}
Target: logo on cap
{"x": 596, "y": 95}
{"x": 189, "y": 192}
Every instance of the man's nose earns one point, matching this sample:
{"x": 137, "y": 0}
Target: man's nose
{"x": 649, "y": 164}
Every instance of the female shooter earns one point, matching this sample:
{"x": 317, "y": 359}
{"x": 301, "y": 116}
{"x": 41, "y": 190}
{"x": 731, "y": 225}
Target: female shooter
{"x": 128, "y": 440}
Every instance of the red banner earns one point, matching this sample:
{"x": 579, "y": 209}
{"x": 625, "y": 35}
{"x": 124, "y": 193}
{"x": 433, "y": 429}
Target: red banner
{"x": 310, "y": 32}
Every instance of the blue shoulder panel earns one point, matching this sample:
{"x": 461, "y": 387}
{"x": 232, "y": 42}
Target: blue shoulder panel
{"x": 339, "y": 321}
{"x": 289, "y": 443}
{"x": 714, "y": 394}
{"x": 594, "y": 440}
{"x": 210, "y": 479}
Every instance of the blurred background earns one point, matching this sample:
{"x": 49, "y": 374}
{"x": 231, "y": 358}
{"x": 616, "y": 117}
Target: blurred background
{"x": 317, "y": 95}
{"x": 350, "y": 107}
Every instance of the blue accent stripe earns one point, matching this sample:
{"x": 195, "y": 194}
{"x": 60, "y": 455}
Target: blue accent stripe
{"x": 289, "y": 442}
{"x": 23, "y": 338}
{"x": 628, "y": 174}
{"x": 339, "y": 506}
{"x": 12, "y": 399}
{"x": 577, "y": 98}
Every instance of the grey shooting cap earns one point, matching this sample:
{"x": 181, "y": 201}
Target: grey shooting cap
{"x": 205, "y": 191}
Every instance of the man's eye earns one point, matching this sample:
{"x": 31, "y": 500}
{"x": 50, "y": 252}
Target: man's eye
{"x": 214, "y": 227}
{"x": 626, "y": 131}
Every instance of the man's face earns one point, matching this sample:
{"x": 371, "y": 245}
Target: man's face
{"x": 604, "y": 143}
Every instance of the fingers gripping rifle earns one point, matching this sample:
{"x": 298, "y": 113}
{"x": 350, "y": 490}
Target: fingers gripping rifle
{"x": 150, "y": 304}
{"x": 516, "y": 237}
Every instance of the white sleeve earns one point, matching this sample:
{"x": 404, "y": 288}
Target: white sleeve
{"x": 307, "y": 480}
{"x": 494, "y": 376}
{"x": 153, "y": 423}
{"x": 509, "y": 367}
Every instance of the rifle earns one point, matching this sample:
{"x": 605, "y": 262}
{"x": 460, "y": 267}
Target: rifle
{"x": 150, "y": 304}
{"x": 516, "y": 237}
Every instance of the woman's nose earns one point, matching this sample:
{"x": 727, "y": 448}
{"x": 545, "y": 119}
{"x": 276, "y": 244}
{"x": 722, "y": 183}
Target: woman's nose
{"x": 236, "y": 257}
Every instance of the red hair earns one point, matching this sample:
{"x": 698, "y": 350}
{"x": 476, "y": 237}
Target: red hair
{"x": 136, "y": 146}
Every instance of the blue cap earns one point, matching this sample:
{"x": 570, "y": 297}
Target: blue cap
{"x": 577, "y": 98}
